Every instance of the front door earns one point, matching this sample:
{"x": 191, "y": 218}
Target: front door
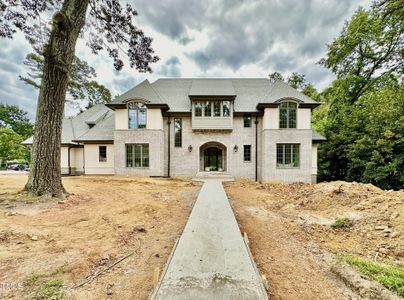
{"x": 213, "y": 159}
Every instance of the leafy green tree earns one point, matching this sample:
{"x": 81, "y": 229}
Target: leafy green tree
{"x": 10, "y": 145}
{"x": 363, "y": 106}
{"x": 377, "y": 155}
{"x": 104, "y": 24}
{"x": 276, "y": 76}
{"x": 369, "y": 48}
{"x": 81, "y": 83}
{"x": 11, "y": 116}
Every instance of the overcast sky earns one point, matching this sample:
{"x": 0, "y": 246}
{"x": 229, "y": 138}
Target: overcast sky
{"x": 218, "y": 38}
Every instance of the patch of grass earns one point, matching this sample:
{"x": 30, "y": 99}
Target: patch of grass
{"x": 52, "y": 289}
{"x": 34, "y": 278}
{"x": 49, "y": 285}
{"x": 342, "y": 222}
{"x": 388, "y": 274}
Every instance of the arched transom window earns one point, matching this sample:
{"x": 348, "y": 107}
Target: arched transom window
{"x": 287, "y": 114}
{"x": 137, "y": 115}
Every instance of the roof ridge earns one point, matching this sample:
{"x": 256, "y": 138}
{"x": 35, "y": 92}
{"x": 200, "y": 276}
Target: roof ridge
{"x": 72, "y": 127}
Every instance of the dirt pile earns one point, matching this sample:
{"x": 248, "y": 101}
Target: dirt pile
{"x": 292, "y": 240}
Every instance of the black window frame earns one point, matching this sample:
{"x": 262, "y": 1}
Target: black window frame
{"x": 288, "y": 115}
{"x": 139, "y": 109}
{"x": 102, "y": 153}
{"x": 132, "y": 155}
{"x": 247, "y": 153}
{"x": 178, "y": 132}
{"x": 247, "y": 120}
{"x": 286, "y": 155}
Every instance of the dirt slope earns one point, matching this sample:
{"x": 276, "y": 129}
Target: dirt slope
{"x": 288, "y": 226}
{"x": 106, "y": 218}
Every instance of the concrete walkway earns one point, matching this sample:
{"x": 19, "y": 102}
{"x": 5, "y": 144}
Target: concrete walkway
{"x": 211, "y": 260}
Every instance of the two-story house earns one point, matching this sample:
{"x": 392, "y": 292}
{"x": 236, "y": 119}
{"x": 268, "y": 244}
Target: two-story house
{"x": 249, "y": 128}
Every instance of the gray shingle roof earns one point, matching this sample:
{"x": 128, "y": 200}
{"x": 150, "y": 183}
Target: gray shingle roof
{"x": 248, "y": 92}
{"x": 208, "y": 87}
{"x": 315, "y": 136}
{"x": 143, "y": 90}
{"x": 78, "y": 127}
{"x": 102, "y": 131}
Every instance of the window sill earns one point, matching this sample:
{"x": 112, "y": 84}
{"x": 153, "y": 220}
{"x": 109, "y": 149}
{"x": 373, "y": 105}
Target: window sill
{"x": 288, "y": 168}
{"x": 143, "y": 168}
{"x": 247, "y": 161}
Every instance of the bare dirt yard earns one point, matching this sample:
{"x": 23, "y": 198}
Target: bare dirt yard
{"x": 48, "y": 248}
{"x": 297, "y": 245}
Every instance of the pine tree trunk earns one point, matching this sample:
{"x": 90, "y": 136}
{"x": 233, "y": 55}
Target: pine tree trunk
{"x": 45, "y": 175}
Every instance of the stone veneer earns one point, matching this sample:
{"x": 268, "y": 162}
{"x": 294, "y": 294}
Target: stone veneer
{"x": 155, "y": 139}
{"x": 187, "y": 164}
{"x": 271, "y": 137}
{"x": 184, "y": 163}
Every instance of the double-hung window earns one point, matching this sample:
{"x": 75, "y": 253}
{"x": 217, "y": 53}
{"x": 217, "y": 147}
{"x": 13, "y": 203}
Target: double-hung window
{"x": 247, "y": 120}
{"x": 137, "y": 115}
{"x": 287, "y": 155}
{"x": 287, "y": 115}
{"x": 247, "y": 152}
{"x": 137, "y": 155}
{"x": 178, "y": 132}
{"x": 102, "y": 153}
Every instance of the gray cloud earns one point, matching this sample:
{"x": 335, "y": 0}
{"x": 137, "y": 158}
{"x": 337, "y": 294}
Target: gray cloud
{"x": 260, "y": 35}
{"x": 250, "y": 32}
{"x": 171, "y": 68}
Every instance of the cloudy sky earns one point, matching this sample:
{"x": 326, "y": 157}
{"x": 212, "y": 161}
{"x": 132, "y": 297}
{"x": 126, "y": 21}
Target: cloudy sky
{"x": 215, "y": 38}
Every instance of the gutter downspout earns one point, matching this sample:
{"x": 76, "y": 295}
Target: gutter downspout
{"x": 68, "y": 159}
{"x": 168, "y": 143}
{"x": 256, "y": 148}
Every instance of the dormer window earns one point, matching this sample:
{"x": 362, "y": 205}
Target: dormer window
{"x": 137, "y": 115}
{"x": 212, "y": 109}
{"x": 287, "y": 114}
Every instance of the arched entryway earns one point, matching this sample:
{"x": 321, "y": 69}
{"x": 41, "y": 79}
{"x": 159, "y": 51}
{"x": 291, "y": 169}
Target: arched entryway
{"x": 212, "y": 157}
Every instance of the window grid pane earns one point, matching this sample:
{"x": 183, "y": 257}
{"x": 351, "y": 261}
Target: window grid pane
{"x": 287, "y": 115}
{"x": 102, "y": 153}
{"x": 247, "y": 152}
{"x": 145, "y": 155}
{"x": 178, "y": 132}
{"x": 129, "y": 156}
{"x": 226, "y": 108}
{"x": 288, "y": 155}
{"x": 137, "y": 155}
{"x": 247, "y": 120}
{"x": 198, "y": 109}
{"x": 216, "y": 109}
{"x": 136, "y": 115}
{"x": 208, "y": 109}
{"x": 292, "y": 115}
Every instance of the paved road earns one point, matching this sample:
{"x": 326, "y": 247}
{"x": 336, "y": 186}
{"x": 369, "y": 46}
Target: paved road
{"x": 211, "y": 260}
{"x": 8, "y": 172}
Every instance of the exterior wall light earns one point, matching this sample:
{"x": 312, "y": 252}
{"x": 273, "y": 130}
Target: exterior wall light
{"x": 235, "y": 148}
{"x": 190, "y": 148}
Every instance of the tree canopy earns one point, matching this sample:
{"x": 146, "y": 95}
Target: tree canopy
{"x": 11, "y": 116}
{"x": 363, "y": 109}
{"x": 104, "y": 25}
{"x": 81, "y": 85}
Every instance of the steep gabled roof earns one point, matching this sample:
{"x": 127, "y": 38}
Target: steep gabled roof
{"x": 143, "y": 91}
{"x": 80, "y": 125}
{"x": 248, "y": 92}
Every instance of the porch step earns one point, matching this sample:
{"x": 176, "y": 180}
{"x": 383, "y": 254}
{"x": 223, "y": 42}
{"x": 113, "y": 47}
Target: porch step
{"x": 213, "y": 175}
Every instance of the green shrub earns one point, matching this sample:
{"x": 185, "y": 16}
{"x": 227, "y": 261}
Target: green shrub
{"x": 343, "y": 222}
{"x": 52, "y": 289}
